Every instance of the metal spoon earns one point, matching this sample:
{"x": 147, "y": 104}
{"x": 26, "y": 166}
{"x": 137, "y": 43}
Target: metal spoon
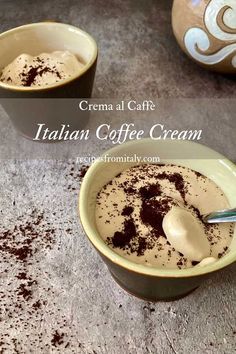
{"x": 227, "y": 215}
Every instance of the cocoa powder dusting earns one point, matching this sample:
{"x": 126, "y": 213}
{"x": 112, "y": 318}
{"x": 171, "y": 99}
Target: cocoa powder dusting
{"x": 28, "y": 78}
{"x": 121, "y": 239}
{"x": 21, "y": 241}
{"x": 177, "y": 179}
{"x": 152, "y": 213}
{"x": 25, "y": 292}
{"x": 150, "y": 191}
{"x": 83, "y": 171}
{"x": 127, "y": 211}
{"x": 57, "y": 339}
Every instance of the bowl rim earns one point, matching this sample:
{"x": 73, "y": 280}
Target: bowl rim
{"x": 120, "y": 261}
{"x": 86, "y": 67}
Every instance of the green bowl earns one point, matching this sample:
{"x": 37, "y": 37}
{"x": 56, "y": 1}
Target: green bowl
{"x": 152, "y": 283}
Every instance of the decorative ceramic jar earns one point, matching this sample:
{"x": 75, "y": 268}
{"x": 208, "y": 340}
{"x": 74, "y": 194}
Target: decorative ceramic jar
{"x": 206, "y": 31}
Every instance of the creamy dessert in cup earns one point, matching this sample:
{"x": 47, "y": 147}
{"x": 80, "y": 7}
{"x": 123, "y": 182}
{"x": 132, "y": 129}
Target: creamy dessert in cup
{"x": 51, "y": 61}
{"x": 158, "y": 282}
{"x": 42, "y": 70}
{"x": 152, "y": 215}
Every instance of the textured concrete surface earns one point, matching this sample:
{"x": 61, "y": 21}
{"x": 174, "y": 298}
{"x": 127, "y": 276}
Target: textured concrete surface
{"x": 56, "y": 295}
{"x": 138, "y": 55}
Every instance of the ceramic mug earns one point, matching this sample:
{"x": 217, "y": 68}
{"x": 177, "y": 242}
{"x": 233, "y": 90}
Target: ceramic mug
{"x": 206, "y": 32}
{"x": 39, "y": 38}
{"x": 152, "y": 283}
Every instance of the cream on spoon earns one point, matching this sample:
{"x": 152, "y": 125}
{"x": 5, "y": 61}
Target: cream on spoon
{"x": 186, "y": 234}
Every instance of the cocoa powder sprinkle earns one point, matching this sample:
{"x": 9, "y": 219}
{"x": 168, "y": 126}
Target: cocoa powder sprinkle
{"x": 30, "y": 77}
{"x": 57, "y": 338}
{"x": 127, "y": 211}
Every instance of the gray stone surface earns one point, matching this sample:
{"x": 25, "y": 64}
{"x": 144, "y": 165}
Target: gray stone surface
{"x": 138, "y": 55}
{"x": 71, "y": 291}
{"x": 57, "y": 284}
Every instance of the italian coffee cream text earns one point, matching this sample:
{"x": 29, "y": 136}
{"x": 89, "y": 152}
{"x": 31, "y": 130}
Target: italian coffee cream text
{"x": 105, "y": 132}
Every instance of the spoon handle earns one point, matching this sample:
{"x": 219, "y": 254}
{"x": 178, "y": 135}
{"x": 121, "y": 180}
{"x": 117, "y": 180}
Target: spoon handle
{"x": 228, "y": 215}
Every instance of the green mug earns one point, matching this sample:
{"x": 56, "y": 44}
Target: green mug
{"x": 147, "y": 282}
{"x": 29, "y": 106}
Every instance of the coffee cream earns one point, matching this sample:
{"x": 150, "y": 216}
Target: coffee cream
{"x": 152, "y": 215}
{"x": 46, "y": 69}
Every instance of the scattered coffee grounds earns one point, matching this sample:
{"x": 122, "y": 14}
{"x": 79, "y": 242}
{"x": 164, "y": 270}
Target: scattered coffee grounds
{"x": 152, "y": 213}
{"x": 143, "y": 245}
{"x": 198, "y": 214}
{"x": 221, "y": 254}
{"x": 128, "y": 239}
{"x": 21, "y": 253}
{"x": 130, "y": 190}
{"x": 21, "y": 247}
{"x": 28, "y": 79}
{"x": 127, "y": 211}
{"x": 152, "y": 190}
{"x": 122, "y": 239}
{"x": 22, "y": 276}
{"x": 198, "y": 174}
{"x": 75, "y": 176}
{"x": 177, "y": 179}
{"x": 57, "y": 339}
{"x": 25, "y": 292}
{"x": 37, "y": 305}
{"x": 21, "y": 242}
{"x": 83, "y": 171}
{"x": 180, "y": 263}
